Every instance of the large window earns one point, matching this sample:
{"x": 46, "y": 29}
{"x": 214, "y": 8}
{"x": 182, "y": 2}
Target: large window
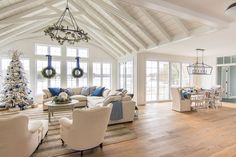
{"x": 48, "y": 50}
{"x": 102, "y": 74}
{"x": 151, "y": 80}
{"x": 43, "y": 83}
{"x": 161, "y": 75}
{"x": 126, "y": 76}
{"x": 73, "y": 82}
{"x": 164, "y": 80}
{"x": 175, "y": 74}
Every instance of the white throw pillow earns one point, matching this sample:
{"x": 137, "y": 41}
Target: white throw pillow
{"x": 106, "y": 93}
{"x": 77, "y": 91}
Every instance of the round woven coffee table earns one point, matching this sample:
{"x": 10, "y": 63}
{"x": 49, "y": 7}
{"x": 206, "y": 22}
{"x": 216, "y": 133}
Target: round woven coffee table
{"x": 52, "y": 107}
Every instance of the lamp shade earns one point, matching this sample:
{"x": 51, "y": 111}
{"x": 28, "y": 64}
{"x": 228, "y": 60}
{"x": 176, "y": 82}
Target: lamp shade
{"x": 231, "y": 10}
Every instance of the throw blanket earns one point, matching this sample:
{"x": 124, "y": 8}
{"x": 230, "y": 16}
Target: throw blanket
{"x": 117, "y": 110}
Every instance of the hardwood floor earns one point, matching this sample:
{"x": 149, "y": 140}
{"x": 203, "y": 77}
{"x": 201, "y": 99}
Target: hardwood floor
{"x": 166, "y": 133}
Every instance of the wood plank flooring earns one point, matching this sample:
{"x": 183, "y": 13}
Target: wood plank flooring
{"x": 165, "y": 133}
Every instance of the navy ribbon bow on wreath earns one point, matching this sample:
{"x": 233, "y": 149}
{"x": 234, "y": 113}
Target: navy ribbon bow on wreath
{"x": 49, "y": 71}
{"x": 77, "y": 72}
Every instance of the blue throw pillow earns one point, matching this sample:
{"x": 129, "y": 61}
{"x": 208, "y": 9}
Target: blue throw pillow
{"x": 98, "y": 91}
{"x": 55, "y": 91}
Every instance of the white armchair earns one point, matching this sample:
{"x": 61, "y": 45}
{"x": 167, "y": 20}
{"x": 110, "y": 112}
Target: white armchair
{"x": 87, "y": 129}
{"x": 19, "y": 137}
{"x": 177, "y": 103}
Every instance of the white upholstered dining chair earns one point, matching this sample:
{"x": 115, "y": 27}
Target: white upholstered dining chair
{"x": 178, "y": 104}
{"x": 87, "y": 128}
{"x": 19, "y": 136}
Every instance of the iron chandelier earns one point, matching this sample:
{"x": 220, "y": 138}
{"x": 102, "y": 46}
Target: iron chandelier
{"x": 61, "y": 32}
{"x": 199, "y": 68}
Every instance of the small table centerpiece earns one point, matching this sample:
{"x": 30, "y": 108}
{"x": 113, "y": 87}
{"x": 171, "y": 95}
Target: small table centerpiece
{"x": 62, "y": 98}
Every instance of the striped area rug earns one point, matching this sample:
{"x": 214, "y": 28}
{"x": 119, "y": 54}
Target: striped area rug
{"x": 51, "y": 145}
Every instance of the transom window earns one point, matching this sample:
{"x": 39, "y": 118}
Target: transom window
{"x": 77, "y": 52}
{"x": 48, "y": 50}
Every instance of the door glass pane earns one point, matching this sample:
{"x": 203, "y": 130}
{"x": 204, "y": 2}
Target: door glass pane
{"x": 163, "y": 80}
{"x": 129, "y": 76}
{"x": 151, "y": 80}
{"x": 122, "y": 75}
{"x": 232, "y": 81}
{"x": 175, "y": 74}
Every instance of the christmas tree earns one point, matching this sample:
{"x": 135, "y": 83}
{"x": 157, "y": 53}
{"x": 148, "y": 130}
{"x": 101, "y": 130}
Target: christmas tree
{"x": 15, "y": 91}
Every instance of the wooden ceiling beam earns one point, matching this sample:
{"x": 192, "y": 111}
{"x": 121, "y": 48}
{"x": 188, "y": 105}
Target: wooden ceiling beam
{"x": 103, "y": 31}
{"x": 138, "y": 24}
{"x": 91, "y": 10}
{"x": 181, "y": 26}
{"x": 156, "y": 24}
{"x": 176, "y": 10}
{"x": 123, "y": 26}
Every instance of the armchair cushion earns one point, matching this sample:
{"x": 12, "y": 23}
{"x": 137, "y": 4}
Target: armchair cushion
{"x": 79, "y": 97}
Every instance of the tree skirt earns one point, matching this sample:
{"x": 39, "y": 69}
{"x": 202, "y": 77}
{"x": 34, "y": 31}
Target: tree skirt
{"x": 52, "y": 146}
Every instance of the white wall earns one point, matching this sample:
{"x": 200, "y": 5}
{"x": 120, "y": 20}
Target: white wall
{"x": 96, "y": 54}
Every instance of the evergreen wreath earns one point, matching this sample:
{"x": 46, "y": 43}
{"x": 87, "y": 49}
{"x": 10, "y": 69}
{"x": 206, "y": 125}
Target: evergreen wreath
{"x": 77, "y": 74}
{"x": 46, "y": 75}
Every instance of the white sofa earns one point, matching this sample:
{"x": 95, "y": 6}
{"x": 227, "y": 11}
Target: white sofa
{"x": 19, "y": 136}
{"x": 94, "y": 101}
{"x": 127, "y": 104}
{"x": 178, "y": 104}
{"x": 85, "y": 130}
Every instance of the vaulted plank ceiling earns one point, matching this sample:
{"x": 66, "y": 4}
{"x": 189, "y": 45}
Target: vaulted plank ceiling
{"x": 118, "y": 27}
